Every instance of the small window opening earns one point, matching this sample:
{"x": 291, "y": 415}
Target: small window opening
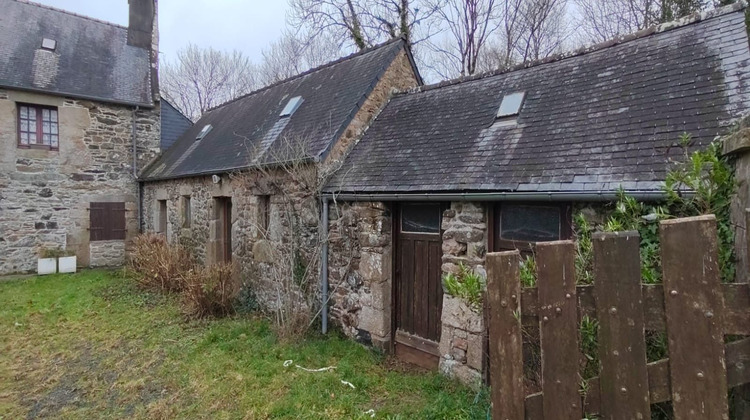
{"x": 49, "y": 44}
{"x": 186, "y": 215}
{"x": 291, "y": 106}
{"x": 204, "y": 132}
{"x": 511, "y": 105}
{"x": 421, "y": 218}
{"x": 264, "y": 213}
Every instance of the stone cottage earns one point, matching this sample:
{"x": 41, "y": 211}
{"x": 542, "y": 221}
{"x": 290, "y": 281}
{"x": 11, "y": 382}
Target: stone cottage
{"x": 247, "y": 174}
{"x": 500, "y": 161}
{"x": 79, "y": 117}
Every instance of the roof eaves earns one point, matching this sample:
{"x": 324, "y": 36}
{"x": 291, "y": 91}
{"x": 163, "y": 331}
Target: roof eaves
{"x": 79, "y": 96}
{"x": 215, "y": 172}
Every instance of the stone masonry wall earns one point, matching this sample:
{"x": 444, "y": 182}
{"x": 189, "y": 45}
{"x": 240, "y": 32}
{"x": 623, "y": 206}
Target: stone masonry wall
{"x": 359, "y": 270}
{"x": 398, "y": 77}
{"x": 251, "y": 247}
{"x": 462, "y": 337}
{"x": 45, "y": 195}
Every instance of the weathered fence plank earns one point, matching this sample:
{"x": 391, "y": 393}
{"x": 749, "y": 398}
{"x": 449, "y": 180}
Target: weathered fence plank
{"x": 694, "y": 306}
{"x": 622, "y": 346}
{"x": 736, "y": 302}
{"x": 559, "y": 329}
{"x": 506, "y": 352}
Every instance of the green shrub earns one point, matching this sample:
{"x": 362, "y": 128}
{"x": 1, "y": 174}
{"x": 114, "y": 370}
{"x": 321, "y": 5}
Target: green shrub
{"x": 466, "y": 285}
{"x": 710, "y": 178}
{"x": 528, "y": 272}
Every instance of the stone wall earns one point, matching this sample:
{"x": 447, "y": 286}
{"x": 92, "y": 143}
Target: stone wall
{"x": 398, "y": 77}
{"x": 359, "y": 270}
{"x": 45, "y": 194}
{"x": 107, "y": 253}
{"x": 464, "y": 242}
{"x": 291, "y": 209}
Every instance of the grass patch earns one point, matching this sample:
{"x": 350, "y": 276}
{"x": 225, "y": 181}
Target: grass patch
{"x": 92, "y": 345}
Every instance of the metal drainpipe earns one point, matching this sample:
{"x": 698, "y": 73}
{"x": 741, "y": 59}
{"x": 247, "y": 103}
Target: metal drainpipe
{"x": 138, "y": 203}
{"x": 324, "y": 266}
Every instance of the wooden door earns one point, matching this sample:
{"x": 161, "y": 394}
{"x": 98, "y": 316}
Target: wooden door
{"x": 226, "y": 224}
{"x": 222, "y": 230}
{"x": 418, "y": 287}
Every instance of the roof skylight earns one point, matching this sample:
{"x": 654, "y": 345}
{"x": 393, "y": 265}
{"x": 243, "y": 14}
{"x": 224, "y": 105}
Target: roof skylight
{"x": 511, "y": 104}
{"x": 204, "y": 131}
{"x": 49, "y": 44}
{"x": 291, "y": 106}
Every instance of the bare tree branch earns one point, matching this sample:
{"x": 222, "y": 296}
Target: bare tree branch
{"x": 201, "y": 79}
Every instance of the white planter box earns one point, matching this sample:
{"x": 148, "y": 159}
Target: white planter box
{"x": 46, "y": 266}
{"x": 67, "y": 264}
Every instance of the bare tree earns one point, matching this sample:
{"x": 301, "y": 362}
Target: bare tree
{"x": 470, "y": 24}
{"x": 544, "y": 29}
{"x": 602, "y": 20}
{"x": 200, "y": 79}
{"x": 363, "y": 23}
{"x": 292, "y": 55}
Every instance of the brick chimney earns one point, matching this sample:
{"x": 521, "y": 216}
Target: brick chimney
{"x": 143, "y": 32}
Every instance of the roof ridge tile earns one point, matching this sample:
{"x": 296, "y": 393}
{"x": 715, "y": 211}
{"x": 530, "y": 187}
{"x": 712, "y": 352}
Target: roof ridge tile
{"x": 312, "y": 70}
{"x": 68, "y": 12}
{"x": 589, "y": 49}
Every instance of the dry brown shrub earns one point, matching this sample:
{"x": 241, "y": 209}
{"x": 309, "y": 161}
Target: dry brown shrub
{"x": 158, "y": 265}
{"x": 211, "y": 291}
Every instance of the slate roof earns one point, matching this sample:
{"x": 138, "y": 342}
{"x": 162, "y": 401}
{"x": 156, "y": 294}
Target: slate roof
{"x": 92, "y": 59}
{"x": 173, "y": 124}
{"x": 602, "y": 118}
{"x": 243, "y": 128}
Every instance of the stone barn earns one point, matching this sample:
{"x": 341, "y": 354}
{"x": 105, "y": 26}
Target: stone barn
{"x": 79, "y": 117}
{"x": 500, "y": 161}
{"x": 247, "y": 174}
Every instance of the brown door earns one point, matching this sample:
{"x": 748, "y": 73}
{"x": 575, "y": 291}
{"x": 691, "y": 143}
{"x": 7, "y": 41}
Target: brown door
{"x": 223, "y": 230}
{"x": 418, "y": 291}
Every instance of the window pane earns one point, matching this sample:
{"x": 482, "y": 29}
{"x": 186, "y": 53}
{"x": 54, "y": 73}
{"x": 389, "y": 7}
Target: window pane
{"x": 45, "y": 127}
{"x": 32, "y": 113}
{"x": 53, "y": 114}
{"x": 25, "y": 138}
{"x": 53, "y": 142}
{"x": 54, "y": 128}
{"x": 24, "y": 125}
{"x": 45, "y": 139}
{"x": 530, "y": 223}
{"x": 420, "y": 218}
{"x": 24, "y": 112}
{"x": 45, "y": 114}
{"x": 32, "y": 138}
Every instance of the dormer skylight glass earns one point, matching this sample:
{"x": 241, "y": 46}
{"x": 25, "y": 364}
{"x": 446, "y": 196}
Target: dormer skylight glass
{"x": 511, "y": 104}
{"x": 49, "y": 44}
{"x": 291, "y": 106}
{"x": 206, "y": 129}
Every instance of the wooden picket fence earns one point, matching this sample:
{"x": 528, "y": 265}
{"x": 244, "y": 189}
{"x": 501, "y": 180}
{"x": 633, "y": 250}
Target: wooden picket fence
{"x": 692, "y": 305}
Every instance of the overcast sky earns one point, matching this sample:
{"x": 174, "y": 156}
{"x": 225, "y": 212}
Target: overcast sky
{"x": 244, "y": 25}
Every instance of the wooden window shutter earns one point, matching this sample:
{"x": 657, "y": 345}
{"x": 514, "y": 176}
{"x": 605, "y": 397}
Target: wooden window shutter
{"x": 107, "y": 221}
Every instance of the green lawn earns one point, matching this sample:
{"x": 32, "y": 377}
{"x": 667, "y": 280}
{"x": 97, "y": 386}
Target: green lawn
{"x": 92, "y": 346}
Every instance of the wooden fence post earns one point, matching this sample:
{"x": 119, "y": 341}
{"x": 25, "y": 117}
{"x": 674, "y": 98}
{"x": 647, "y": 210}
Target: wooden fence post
{"x": 694, "y": 306}
{"x": 558, "y": 313}
{"x": 506, "y": 355}
{"x": 623, "y": 381}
